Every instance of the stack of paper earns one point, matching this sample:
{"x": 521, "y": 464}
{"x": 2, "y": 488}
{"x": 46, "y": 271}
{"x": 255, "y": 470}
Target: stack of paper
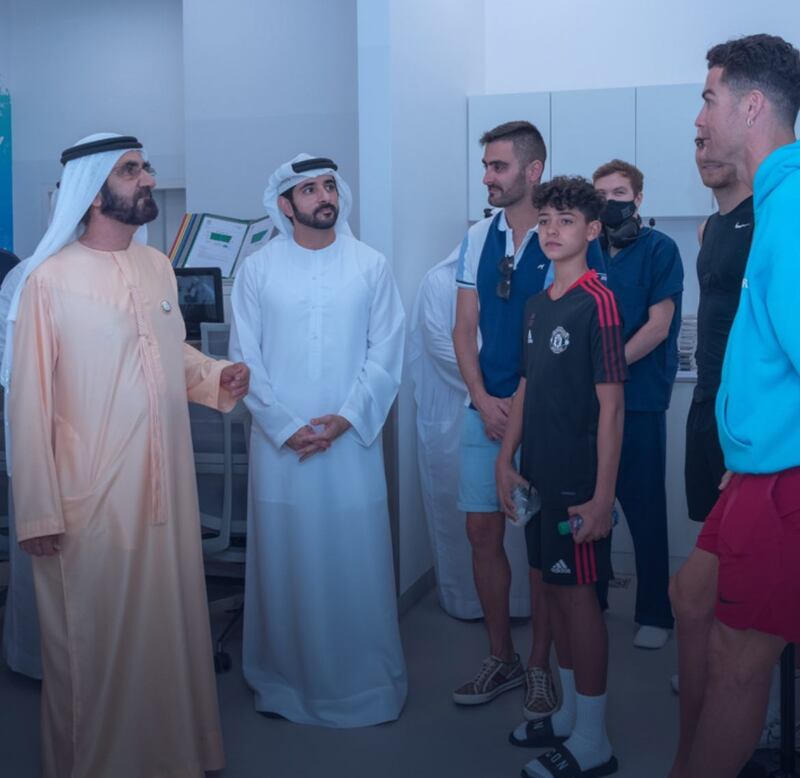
{"x": 208, "y": 240}
{"x": 687, "y": 344}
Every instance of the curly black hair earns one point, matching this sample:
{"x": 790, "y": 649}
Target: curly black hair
{"x": 570, "y": 193}
{"x": 764, "y": 62}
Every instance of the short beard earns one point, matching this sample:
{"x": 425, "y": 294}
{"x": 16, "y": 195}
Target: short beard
{"x": 316, "y": 222}
{"x": 141, "y": 209}
{"x": 512, "y": 195}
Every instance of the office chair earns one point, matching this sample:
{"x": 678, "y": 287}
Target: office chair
{"x": 223, "y": 534}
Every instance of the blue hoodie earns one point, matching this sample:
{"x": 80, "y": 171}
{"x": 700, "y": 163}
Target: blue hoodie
{"x": 758, "y": 405}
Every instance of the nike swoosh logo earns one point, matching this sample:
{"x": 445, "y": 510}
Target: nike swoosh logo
{"x": 727, "y": 602}
{"x": 738, "y": 226}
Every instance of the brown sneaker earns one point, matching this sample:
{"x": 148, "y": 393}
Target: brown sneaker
{"x": 494, "y": 678}
{"x": 540, "y": 694}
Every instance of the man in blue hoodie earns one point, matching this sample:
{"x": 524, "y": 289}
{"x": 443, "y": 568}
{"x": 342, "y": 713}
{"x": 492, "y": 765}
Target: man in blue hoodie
{"x": 749, "y": 548}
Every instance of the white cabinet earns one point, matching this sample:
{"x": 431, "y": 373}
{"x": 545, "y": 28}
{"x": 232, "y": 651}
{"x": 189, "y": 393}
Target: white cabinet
{"x": 665, "y": 134}
{"x": 485, "y": 112}
{"x": 591, "y": 127}
{"x": 651, "y": 126}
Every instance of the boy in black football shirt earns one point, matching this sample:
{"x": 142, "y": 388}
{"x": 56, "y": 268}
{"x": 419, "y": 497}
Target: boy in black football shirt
{"x": 568, "y": 415}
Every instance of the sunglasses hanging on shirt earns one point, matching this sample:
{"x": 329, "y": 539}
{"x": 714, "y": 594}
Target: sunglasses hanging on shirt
{"x": 506, "y": 268}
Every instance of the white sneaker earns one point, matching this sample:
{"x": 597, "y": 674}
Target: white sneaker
{"x": 651, "y": 637}
{"x": 674, "y": 684}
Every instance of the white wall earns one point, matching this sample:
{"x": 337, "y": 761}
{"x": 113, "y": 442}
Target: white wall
{"x": 417, "y": 62}
{"x": 265, "y": 80}
{"x": 83, "y": 67}
{"x": 533, "y": 46}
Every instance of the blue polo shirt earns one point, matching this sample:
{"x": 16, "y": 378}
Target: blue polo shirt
{"x": 640, "y": 275}
{"x": 500, "y": 321}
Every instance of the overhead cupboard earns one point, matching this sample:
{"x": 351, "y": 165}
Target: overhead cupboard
{"x": 650, "y": 126}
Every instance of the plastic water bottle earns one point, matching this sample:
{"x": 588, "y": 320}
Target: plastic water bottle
{"x": 526, "y": 504}
{"x": 574, "y": 523}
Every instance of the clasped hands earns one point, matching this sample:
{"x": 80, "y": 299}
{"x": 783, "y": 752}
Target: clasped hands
{"x": 307, "y": 441}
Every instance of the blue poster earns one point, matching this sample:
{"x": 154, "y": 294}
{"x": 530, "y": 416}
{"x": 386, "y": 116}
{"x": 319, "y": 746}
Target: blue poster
{"x": 6, "y": 210}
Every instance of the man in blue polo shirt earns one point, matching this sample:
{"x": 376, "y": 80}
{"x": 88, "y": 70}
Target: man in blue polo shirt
{"x": 500, "y": 266}
{"x": 646, "y": 275}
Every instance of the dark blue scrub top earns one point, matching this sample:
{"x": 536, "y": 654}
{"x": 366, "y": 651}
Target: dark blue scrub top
{"x": 640, "y": 275}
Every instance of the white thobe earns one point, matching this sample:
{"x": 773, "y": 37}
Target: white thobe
{"x": 322, "y": 333}
{"x": 440, "y": 396}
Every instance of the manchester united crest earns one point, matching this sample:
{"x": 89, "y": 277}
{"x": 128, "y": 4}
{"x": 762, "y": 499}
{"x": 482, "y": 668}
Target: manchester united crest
{"x": 559, "y": 340}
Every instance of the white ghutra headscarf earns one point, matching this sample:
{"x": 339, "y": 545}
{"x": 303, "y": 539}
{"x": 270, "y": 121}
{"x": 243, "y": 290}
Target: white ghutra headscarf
{"x": 290, "y": 174}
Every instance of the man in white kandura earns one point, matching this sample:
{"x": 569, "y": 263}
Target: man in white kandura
{"x": 317, "y": 317}
{"x": 440, "y": 394}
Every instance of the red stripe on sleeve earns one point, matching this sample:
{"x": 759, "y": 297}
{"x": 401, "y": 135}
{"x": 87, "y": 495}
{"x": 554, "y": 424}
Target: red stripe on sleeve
{"x": 602, "y": 318}
{"x": 587, "y": 573}
{"x": 608, "y": 317}
{"x": 586, "y": 284}
{"x": 578, "y": 566}
{"x": 612, "y": 313}
{"x": 606, "y": 350}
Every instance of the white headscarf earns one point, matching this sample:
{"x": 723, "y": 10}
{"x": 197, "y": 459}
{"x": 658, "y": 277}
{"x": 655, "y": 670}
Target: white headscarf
{"x": 284, "y": 178}
{"x": 81, "y": 180}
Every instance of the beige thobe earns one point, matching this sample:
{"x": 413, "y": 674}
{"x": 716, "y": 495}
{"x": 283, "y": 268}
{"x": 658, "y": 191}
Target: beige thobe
{"x": 102, "y": 453}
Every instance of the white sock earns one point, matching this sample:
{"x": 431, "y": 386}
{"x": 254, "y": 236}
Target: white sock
{"x": 589, "y": 742}
{"x": 564, "y": 718}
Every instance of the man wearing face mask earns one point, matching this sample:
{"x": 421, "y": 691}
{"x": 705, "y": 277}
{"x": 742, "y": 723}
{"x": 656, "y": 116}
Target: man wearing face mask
{"x": 646, "y": 275}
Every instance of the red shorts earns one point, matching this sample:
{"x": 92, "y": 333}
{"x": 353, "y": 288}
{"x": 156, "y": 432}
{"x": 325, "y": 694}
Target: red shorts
{"x": 754, "y": 529}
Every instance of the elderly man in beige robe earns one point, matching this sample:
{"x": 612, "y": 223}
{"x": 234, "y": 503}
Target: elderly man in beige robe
{"x": 104, "y": 482}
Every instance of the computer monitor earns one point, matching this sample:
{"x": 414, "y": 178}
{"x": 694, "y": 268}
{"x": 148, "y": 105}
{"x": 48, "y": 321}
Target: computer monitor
{"x": 199, "y": 297}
